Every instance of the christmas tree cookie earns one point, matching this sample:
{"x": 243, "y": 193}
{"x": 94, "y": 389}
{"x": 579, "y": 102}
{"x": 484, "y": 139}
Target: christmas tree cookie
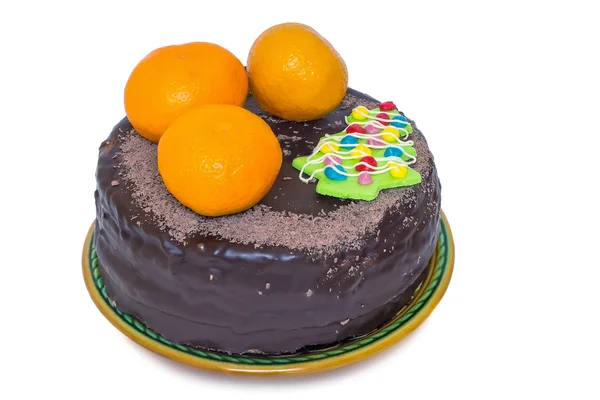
{"x": 372, "y": 153}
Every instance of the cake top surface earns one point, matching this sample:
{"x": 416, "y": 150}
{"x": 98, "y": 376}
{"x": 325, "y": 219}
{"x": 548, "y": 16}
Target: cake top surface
{"x": 292, "y": 215}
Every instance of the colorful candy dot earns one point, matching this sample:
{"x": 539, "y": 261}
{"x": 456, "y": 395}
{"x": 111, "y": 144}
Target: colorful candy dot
{"x": 332, "y": 159}
{"x": 372, "y": 129}
{"x": 335, "y": 172}
{"x": 398, "y": 171}
{"x": 365, "y": 178}
{"x": 375, "y": 142}
{"x": 366, "y": 160}
{"x": 390, "y": 134}
{"x": 329, "y": 148}
{"x": 383, "y": 118}
{"x": 360, "y": 113}
{"x": 361, "y": 150}
{"x": 392, "y": 152}
{"x": 356, "y": 128}
{"x": 399, "y": 121}
{"x": 348, "y": 140}
{"x": 387, "y": 106}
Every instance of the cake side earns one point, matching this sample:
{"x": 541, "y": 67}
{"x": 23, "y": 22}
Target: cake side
{"x": 299, "y": 269}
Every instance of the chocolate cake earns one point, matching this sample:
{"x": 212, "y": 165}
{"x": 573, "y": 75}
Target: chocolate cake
{"x": 298, "y": 270}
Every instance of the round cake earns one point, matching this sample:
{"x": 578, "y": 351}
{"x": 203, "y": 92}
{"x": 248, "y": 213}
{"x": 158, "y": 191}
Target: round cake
{"x": 298, "y": 270}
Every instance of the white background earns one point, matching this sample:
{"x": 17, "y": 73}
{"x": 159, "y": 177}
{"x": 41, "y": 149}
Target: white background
{"x": 508, "y": 95}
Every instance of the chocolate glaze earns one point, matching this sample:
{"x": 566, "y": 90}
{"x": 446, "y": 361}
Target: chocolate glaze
{"x": 237, "y": 298}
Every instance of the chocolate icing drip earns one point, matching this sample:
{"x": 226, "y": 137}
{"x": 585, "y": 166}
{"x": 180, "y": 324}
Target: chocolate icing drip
{"x": 214, "y": 286}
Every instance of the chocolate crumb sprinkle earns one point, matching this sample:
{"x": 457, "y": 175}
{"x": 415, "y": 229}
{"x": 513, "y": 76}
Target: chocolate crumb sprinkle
{"x": 284, "y": 138}
{"x": 345, "y": 228}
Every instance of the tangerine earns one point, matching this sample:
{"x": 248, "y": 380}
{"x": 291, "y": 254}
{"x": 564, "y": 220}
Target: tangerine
{"x": 219, "y": 159}
{"x": 173, "y": 79}
{"x": 295, "y": 73}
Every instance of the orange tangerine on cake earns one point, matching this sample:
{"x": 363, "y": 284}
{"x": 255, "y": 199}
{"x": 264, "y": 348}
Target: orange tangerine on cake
{"x": 173, "y": 79}
{"x": 295, "y": 73}
{"x": 219, "y": 159}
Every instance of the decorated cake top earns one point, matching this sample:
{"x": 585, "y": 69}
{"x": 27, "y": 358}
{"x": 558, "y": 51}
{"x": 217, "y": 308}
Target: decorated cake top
{"x": 372, "y": 153}
{"x": 291, "y": 216}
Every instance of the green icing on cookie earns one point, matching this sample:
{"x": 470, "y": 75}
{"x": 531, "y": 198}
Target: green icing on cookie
{"x": 347, "y": 184}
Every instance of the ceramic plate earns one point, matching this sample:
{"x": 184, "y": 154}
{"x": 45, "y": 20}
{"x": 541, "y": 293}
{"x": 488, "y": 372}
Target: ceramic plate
{"x": 339, "y": 355}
